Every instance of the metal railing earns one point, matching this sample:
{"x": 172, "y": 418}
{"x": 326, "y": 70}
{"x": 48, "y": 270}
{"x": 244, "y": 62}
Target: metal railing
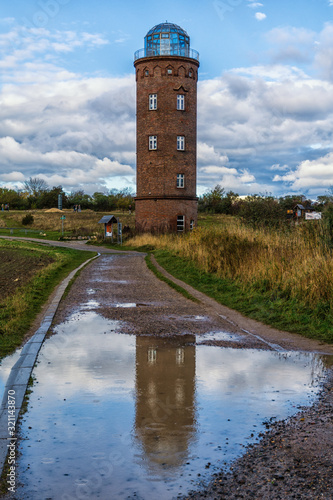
{"x": 182, "y": 52}
{"x": 20, "y": 231}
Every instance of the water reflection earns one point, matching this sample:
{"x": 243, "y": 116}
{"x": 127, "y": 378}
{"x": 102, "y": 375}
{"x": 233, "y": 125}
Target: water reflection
{"x": 114, "y": 416}
{"x": 165, "y": 399}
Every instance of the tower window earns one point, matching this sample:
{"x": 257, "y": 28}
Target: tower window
{"x": 169, "y": 71}
{"x": 147, "y": 72}
{"x": 180, "y": 143}
{"x": 152, "y": 101}
{"x": 192, "y": 224}
{"x": 180, "y": 180}
{"x": 152, "y": 142}
{"x": 180, "y": 102}
{"x": 180, "y": 223}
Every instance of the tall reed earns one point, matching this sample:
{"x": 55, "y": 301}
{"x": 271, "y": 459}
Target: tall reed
{"x": 294, "y": 263}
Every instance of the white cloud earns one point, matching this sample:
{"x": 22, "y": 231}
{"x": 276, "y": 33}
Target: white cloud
{"x": 291, "y": 44}
{"x": 255, "y": 5}
{"x": 253, "y": 122}
{"x": 260, "y": 16}
{"x": 265, "y": 120}
{"x": 313, "y": 175}
{"x": 282, "y": 168}
{"x": 81, "y": 128}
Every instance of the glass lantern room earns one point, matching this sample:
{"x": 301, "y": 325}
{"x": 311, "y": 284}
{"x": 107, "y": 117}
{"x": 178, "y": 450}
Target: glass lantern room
{"x": 167, "y": 39}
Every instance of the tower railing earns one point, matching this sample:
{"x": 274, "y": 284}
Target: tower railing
{"x": 181, "y": 51}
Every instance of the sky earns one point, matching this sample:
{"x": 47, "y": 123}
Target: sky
{"x": 265, "y": 92}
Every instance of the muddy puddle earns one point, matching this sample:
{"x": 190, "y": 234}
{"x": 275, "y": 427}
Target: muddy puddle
{"x": 115, "y": 416}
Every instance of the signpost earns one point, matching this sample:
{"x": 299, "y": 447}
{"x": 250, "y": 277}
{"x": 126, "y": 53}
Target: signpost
{"x": 62, "y": 218}
{"x": 120, "y": 233}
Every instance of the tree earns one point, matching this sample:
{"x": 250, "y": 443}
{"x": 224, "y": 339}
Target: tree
{"x": 100, "y": 201}
{"x": 217, "y": 201}
{"x": 49, "y": 198}
{"x": 16, "y": 200}
{"x": 34, "y": 186}
{"x": 261, "y": 211}
{"x": 80, "y": 198}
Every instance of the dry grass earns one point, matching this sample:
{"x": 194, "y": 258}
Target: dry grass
{"x": 294, "y": 262}
{"x": 82, "y": 223}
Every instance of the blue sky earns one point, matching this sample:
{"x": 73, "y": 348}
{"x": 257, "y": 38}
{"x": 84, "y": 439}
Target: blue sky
{"x": 265, "y": 95}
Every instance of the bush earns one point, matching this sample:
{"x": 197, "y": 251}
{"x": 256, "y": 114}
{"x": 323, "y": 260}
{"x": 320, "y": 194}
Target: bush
{"x": 27, "y": 220}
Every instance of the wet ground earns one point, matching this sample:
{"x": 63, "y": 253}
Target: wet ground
{"x": 141, "y": 393}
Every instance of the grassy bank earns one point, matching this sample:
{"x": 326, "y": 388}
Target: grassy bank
{"x": 282, "y": 278}
{"x": 48, "y": 225}
{"x": 27, "y": 280}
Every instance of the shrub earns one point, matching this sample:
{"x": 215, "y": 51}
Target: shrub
{"x": 27, "y": 220}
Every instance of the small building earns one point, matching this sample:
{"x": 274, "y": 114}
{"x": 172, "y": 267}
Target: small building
{"x": 108, "y": 221}
{"x": 301, "y": 210}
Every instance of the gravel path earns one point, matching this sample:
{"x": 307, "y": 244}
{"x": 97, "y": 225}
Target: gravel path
{"x": 294, "y": 458}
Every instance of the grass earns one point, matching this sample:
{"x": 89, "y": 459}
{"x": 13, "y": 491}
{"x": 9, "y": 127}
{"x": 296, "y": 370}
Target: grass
{"x": 173, "y": 285}
{"x": 19, "y": 309}
{"x": 48, "y": 225}
{"x": 282, "y": 278}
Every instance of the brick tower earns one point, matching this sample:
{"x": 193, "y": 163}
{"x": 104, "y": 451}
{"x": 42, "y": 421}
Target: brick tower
{"x": 166, "y": 76}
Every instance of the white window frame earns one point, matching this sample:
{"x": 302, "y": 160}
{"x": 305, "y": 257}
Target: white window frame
{"x": 181, "y": 102}
{"x": 192, "y": 225}
{"x": 152, "y": 142}
{"x": 180, "y": 143}
{"x": 180, "y": 180}
{"x": 180, "y": 223}
{"x": 152, "y": 102}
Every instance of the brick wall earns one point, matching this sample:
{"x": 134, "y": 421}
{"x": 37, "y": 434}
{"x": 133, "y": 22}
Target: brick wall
{"x": 157, "y": 170}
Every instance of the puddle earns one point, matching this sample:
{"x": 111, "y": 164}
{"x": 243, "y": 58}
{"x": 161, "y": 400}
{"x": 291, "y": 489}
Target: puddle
{"x": 91, "y": 304}
{"x": 225, "y": 336}
{"x": 128, "y": 304}
{"x": 118, "y": 416}
{"x": 6, "y": 365}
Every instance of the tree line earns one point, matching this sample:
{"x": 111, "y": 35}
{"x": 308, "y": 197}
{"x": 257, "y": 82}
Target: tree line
{"x": 36, "y": 194}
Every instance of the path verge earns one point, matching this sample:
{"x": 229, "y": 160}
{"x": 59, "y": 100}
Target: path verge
{"x": 19, "y": 376}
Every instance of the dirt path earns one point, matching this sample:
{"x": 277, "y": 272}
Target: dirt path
{"x": 294, "y": 459}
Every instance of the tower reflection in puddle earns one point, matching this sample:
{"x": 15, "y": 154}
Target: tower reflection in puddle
{"x": 165, "y": 400}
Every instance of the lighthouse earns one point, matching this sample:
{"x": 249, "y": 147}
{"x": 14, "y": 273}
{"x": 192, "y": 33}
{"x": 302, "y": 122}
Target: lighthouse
{"x": 166, "y": 84}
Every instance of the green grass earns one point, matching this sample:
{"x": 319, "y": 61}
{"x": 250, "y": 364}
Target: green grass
{"x": 18, "y": 311}
{"x": 32, "y": 233}
{"x": 267, "y": 307}
{"x": 173, "y": 285}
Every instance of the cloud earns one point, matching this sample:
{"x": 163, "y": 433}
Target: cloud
{"x": 291, "y": 44}
{"x": 255, "y": 5}
{"x": 279, "y": 167}
{"x": 260, "y": 16}
{"x": 310, "y": 175}
{"x": 256, "y": 125}
{"x": 264, "y": 120}
{"x": 323, "y": 60}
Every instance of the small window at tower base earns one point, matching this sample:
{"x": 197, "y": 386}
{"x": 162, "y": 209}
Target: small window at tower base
{"x": 180, "y": 223}
{"x": 192, "y": 225}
